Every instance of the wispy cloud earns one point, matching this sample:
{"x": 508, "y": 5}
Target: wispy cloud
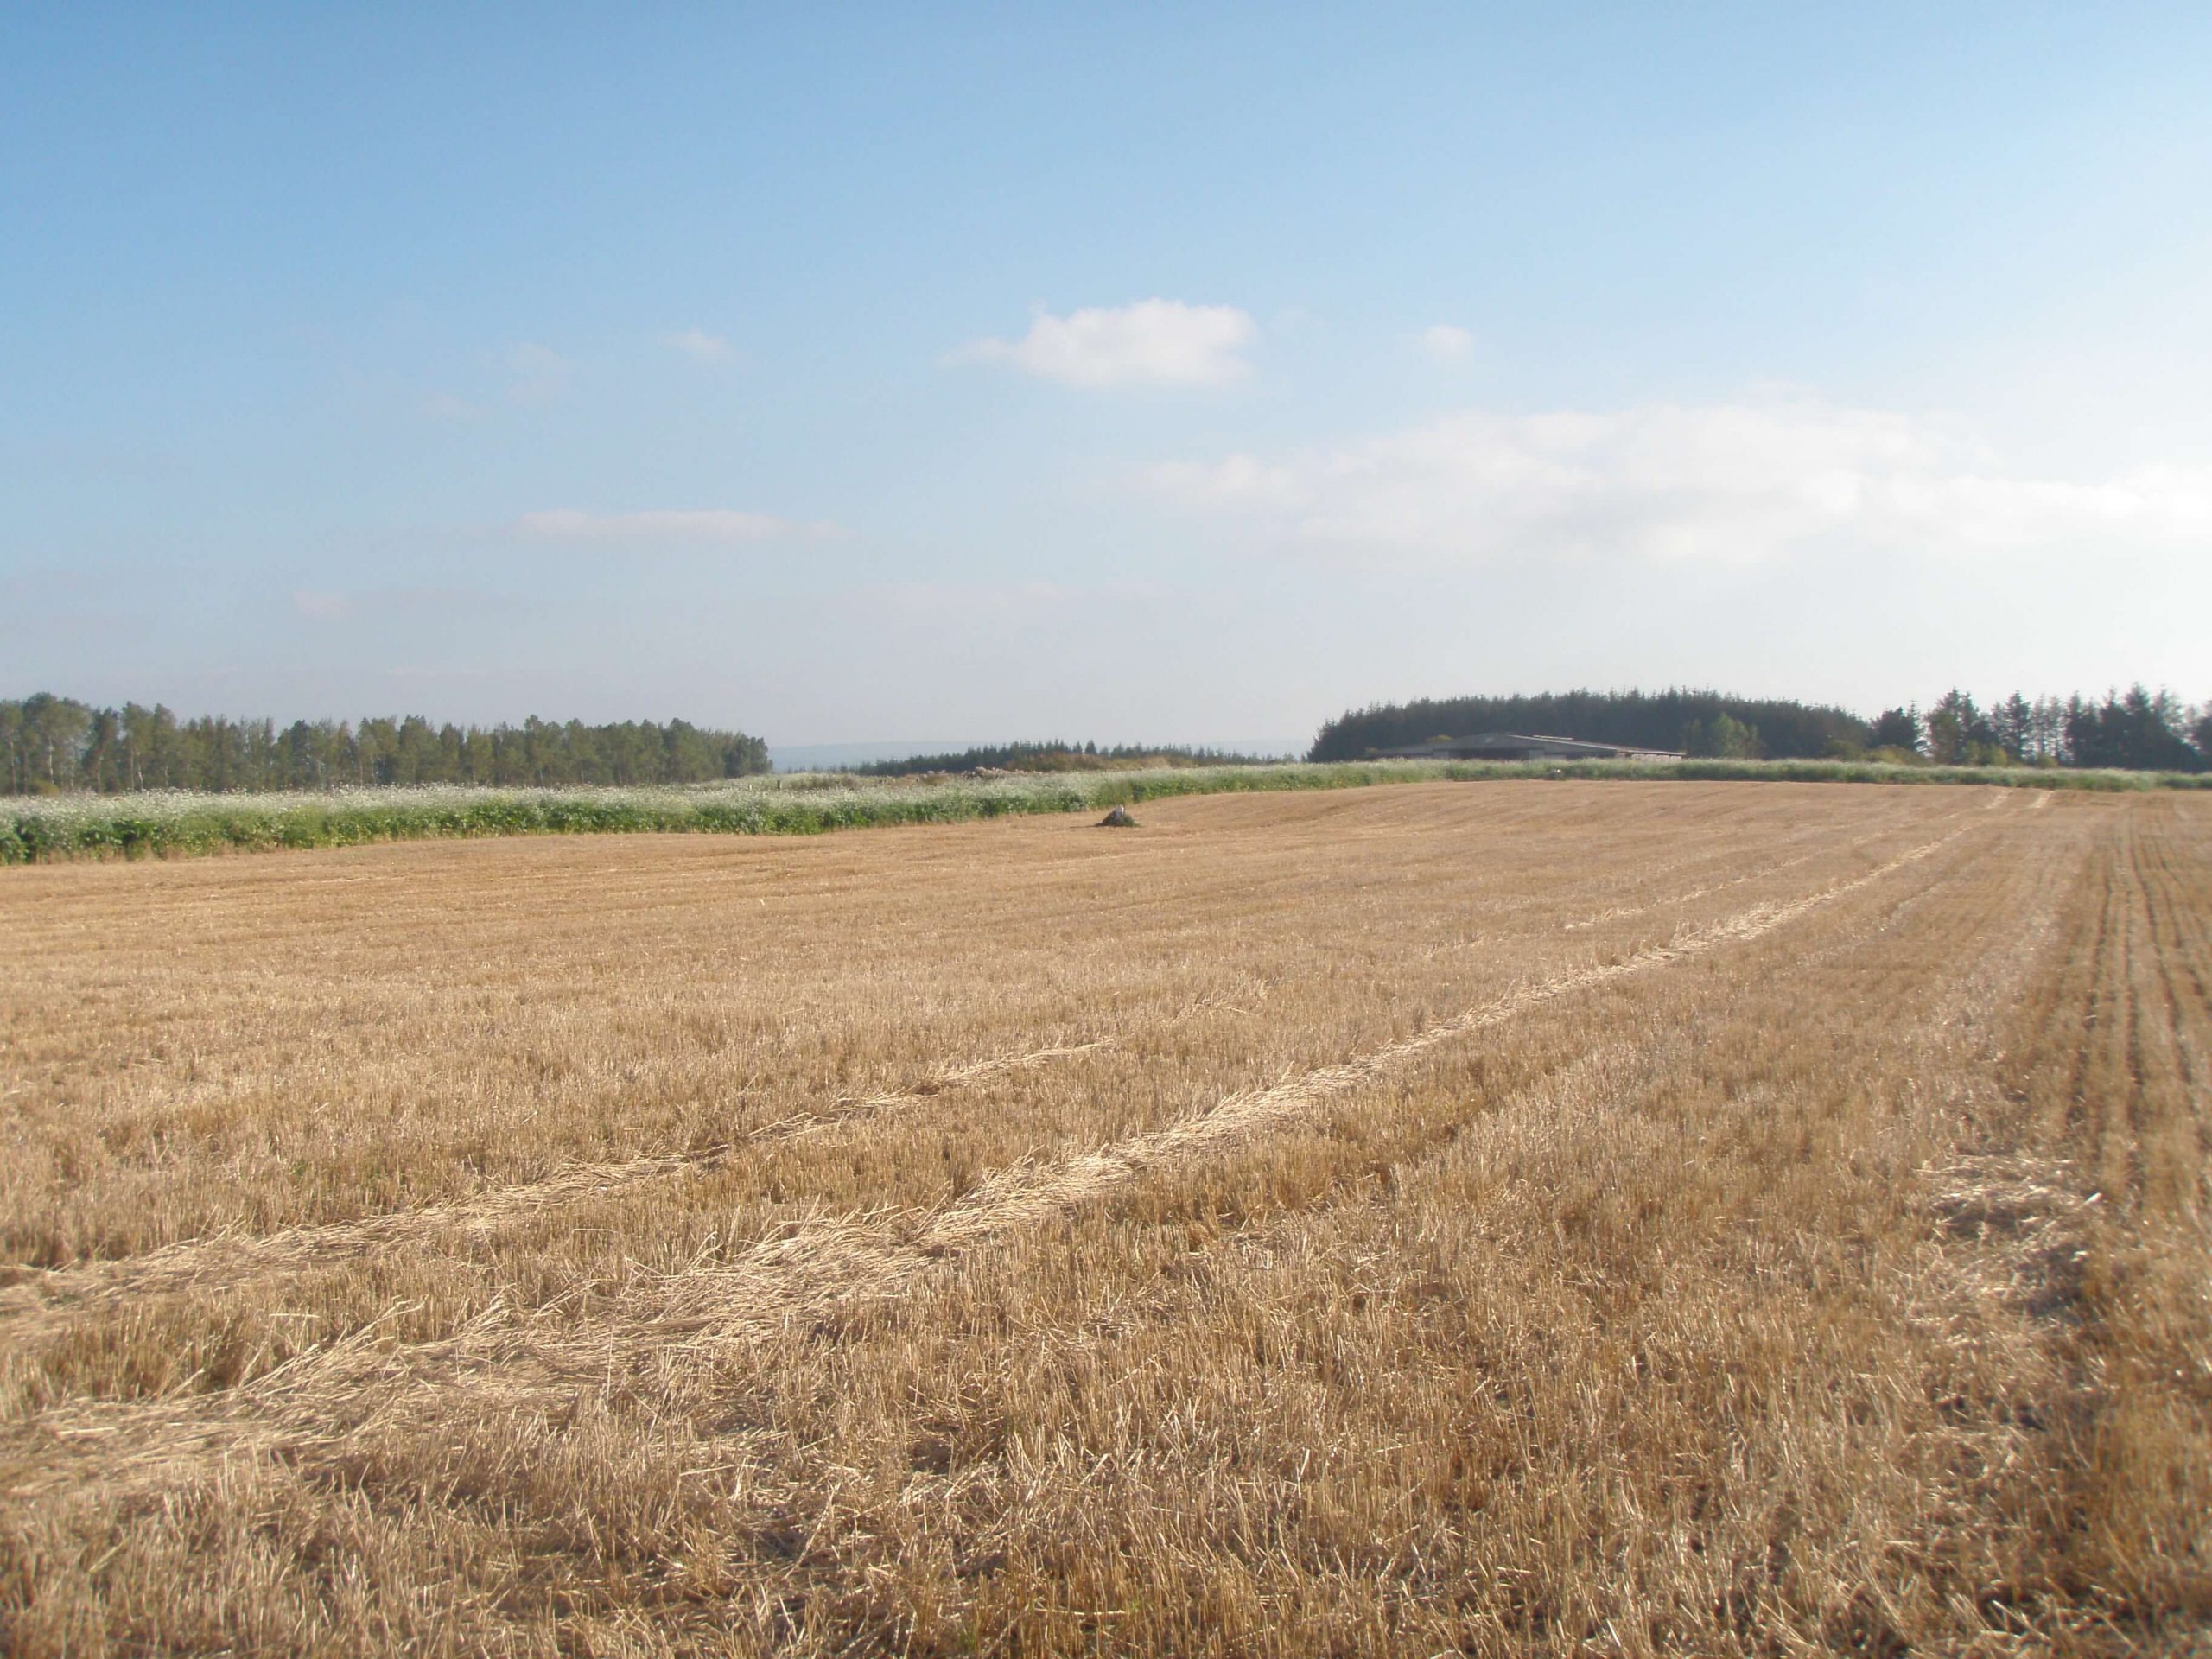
{"x": 1732, "y": 483}
{"x": 1445, "y": 342}
{"x": 40, "y": 607}
{"x": 942, "y": 601}
{"x": 708, "y": 526}
{"x": 1152, "y": 342}
{"x": 540, "y": 374}
{"x": 367, "y": 604}
{"x": 447, "y": 409}
{"x": 414, "y": 675}
{"x": 699, "y": 344}
{"x": 323, "y": 606}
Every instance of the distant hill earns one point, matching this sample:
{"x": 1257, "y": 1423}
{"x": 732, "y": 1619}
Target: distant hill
{"x": 890, "y": 759}
{"x": 840, "y": 757}
{"x": 1054, "y": 755}
{"x": 1656, "y": 719}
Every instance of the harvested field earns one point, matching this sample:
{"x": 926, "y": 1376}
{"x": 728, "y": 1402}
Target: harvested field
{"x": 1621, "y": 1218}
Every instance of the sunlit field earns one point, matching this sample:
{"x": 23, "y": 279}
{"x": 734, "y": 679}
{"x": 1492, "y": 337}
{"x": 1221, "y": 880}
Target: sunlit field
{"x": 1621, "y": 1217}
{"x": 173, "y": 823}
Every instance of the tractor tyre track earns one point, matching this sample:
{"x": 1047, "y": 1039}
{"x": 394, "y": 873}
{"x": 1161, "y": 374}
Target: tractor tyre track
{"x": 819, "y": 1268}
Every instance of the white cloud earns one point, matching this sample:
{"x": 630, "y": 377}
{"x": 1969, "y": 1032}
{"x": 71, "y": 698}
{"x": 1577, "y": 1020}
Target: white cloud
{"x": 1731, "y": 484}
{"x": 1443, "y": 341}
{"x": 324, "y": 607}
{"x": 720, "y": 526}
{"x": 541, "y": 374}
{"x": 1153, "y": 342}
{"x": 698, "y": 342}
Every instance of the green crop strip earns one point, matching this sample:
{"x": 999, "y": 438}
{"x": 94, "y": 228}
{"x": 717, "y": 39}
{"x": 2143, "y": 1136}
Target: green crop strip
{"x": 175, "y": 824}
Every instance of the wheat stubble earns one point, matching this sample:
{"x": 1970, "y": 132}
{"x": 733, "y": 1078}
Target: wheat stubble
{"x": 1519, "y": 1218}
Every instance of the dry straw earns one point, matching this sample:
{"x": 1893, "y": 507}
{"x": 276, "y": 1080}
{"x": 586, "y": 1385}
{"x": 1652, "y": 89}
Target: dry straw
{"x": 1592, "y": 1218}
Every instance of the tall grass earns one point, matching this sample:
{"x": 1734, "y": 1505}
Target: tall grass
{"x": 177, "y": 823}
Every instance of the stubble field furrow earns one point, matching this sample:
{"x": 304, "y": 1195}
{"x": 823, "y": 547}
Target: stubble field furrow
{"x": 829, "y": 1266}
{"x": 228, "y": 1259}
{"x": 702, "y": 1124}
{"x": 1640, "y": 1220}
{"x": 1099, "y": 1485}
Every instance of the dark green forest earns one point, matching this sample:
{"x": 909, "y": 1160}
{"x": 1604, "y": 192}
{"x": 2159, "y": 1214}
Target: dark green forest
{"x": 1651, "y": 720}
{"x": 51, "y": 744}
{"x": 2135, "y": 730}
{"x": 56, "y": 744}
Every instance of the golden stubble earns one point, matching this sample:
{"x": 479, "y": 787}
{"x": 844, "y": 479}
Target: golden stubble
{"x": 1524, "y": 1216}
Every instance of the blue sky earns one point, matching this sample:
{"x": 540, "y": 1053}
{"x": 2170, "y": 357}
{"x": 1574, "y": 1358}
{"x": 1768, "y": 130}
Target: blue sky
{"x": 921, "y": 373}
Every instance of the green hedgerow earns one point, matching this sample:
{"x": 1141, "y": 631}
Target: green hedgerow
{"x": 170, "y": 824}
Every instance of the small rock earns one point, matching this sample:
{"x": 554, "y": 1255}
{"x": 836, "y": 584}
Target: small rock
{"x": 1119, "y": 818}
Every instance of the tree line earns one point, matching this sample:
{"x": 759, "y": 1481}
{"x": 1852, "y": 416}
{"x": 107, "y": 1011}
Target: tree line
{"x": 51, "y": 744}
{"x": 1641, "y": 719}
{"x": 2136, "y": 730}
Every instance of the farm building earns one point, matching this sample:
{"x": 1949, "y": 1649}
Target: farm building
{"x": 1512, "y": 746}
